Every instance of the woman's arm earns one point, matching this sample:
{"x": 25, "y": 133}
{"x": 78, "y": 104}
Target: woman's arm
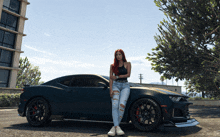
{"x": 111, "y": 74}
{"x": 110, "y": 81}
{"x": 128, "y": 72}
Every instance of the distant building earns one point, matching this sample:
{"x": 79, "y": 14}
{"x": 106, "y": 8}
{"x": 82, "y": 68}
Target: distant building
{"x": 169, "y": 87}
{"x": 12, "y": 16}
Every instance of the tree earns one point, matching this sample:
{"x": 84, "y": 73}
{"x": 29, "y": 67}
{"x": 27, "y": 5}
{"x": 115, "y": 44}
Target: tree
{"x": 28, "y": 75}
{"x": 182, "y": 48}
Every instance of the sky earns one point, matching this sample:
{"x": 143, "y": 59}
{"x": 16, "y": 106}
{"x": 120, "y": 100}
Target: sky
{"x": 80, "y": 37}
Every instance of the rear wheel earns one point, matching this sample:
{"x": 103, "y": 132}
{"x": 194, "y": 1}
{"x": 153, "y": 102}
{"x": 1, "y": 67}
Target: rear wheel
{"x": 38, "y": 112}
{"x": 145, "y": 114}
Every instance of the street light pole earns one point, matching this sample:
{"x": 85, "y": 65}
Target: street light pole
{"x": 140, "y": 78}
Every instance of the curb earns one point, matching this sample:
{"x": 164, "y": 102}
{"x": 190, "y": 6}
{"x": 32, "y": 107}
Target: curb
{"x": 8, "y": 107}
{"x": 203, "y": 106}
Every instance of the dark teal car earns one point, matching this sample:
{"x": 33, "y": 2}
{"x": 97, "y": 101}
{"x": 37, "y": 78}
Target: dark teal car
{"x": 86, "y": 97}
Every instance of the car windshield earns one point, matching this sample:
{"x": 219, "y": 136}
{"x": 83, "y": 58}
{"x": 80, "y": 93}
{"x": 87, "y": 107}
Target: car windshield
{"x": 106, "y": 77}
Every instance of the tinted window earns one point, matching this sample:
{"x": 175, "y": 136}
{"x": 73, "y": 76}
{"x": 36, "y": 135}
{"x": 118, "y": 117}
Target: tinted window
{"x": 4, "y": 75}
{"x": 12, "y": 5}
{"x": 78, "y": 81}
{"x": 66, "y": 81}
{"x": 5, "y": 58}
{"x": 1, "y": 35}
{"x": 86, "y": 81}
{"x": 93, "y": 81}
{"x": 7, "y": 39}
{"x": 9, "y": 21}
{"x": 8, "y": 46}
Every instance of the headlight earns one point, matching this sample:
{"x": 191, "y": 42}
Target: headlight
{"x": 175, "y": 98}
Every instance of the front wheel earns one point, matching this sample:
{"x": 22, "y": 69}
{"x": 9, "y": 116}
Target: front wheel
{"x": 145, "y": 114}
{"x": 38, "y": 112}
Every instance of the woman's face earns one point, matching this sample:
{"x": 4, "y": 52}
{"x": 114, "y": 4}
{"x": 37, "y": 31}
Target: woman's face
{"x": 118, "y": 56}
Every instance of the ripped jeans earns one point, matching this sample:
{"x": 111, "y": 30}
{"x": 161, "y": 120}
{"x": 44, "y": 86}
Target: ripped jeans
{"x": 119, "y": 100}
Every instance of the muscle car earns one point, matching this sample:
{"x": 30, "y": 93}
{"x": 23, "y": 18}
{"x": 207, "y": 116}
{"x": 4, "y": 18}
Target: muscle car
{"x": 86, "y": 97}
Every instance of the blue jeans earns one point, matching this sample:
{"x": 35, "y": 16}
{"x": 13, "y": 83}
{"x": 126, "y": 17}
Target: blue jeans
{"x": 119, "y": 98}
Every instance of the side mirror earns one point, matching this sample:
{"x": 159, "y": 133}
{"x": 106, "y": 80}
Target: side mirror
{"x": 101, "y": 84}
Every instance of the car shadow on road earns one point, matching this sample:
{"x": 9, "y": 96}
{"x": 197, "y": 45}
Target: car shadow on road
{"x": 102, "y": 128}
{"x": 205, "y": 111}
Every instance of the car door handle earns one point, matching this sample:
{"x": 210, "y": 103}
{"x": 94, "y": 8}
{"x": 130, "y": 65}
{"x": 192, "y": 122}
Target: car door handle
{"x": 70, "y": 90}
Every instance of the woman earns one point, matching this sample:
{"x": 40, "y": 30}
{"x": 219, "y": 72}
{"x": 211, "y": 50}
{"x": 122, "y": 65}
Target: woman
{"x": 119, "y": 89}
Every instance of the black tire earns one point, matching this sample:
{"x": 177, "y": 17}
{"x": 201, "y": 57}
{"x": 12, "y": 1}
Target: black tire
{"x": 145, "y": 114}
{"x": 38, "y": 112}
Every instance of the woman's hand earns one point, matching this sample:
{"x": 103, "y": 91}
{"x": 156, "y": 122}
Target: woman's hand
{"x": 111, "y": 93}
{"x": 113, "y": 77}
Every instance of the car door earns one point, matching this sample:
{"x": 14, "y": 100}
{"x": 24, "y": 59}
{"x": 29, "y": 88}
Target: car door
{"x": 64, "y": 99}
{"x": 69, "y": 101}
{"x": 99, "y": 101}
{"x": 76, "y": 91}
{"x": 90, "y": 100}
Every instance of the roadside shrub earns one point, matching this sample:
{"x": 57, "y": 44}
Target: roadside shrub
{"x": 198, "y": 98}
{"x": 201, "y": 98}
{"x": 9, "y": 100}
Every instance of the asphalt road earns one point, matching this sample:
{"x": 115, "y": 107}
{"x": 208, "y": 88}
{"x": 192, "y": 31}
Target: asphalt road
{"x": 15, "y": 126}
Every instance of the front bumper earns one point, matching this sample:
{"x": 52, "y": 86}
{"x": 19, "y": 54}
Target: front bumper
{"x": 178, "y": 115}
{"x": 21, "y": 108}
{"x": 189, "y": 123}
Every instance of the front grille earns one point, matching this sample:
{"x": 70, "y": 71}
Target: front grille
{"x": 181, "y": 112}
{"x": 177, "y": 112}
{"x": 187, "y": 110}
{"x": 183, "y": 99}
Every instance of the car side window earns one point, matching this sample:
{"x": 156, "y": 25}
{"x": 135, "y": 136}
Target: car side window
{"x": 86, "y": 81}
{"x": 78, "y": 81}
{"x": 66, "y": 81}
{"x": 93, "y": 81}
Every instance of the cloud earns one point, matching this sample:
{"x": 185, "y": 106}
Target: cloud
{"x": 139, "y": 61}
{"x": 61, "y": 63}
{"x": 53, "y": 70}
{"x": 46, "y": 34}
{"x": 45, "y": 52}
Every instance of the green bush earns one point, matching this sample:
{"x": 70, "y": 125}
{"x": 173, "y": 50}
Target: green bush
{"x": 198, "y": 98}
{"x": 201, "y": 98}
{"x": 9, "y": 100}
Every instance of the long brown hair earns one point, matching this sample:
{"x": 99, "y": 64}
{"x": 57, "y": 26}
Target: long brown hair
{"x": 116, "y": 62}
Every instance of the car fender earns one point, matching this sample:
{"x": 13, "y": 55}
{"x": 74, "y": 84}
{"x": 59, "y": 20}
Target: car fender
{"x": 49, "y": 93}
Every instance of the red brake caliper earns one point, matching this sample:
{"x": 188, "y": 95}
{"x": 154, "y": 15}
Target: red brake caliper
{"x": 137, "y": 113}
{"x": 35, "y": 109}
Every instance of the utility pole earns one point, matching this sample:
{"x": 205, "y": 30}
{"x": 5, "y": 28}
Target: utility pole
{"x": 140, "y": 78}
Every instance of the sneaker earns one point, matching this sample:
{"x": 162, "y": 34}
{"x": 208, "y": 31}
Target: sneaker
{"x": 119, "y": 131}
{"x": 112, "y": 131}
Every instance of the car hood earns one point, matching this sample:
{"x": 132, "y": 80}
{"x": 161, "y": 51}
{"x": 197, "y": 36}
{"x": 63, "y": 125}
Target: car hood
{"x": 159, "y": 90}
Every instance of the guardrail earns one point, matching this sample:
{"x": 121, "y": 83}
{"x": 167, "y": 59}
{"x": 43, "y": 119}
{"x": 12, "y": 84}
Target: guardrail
{"x": 205, "y": 102}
